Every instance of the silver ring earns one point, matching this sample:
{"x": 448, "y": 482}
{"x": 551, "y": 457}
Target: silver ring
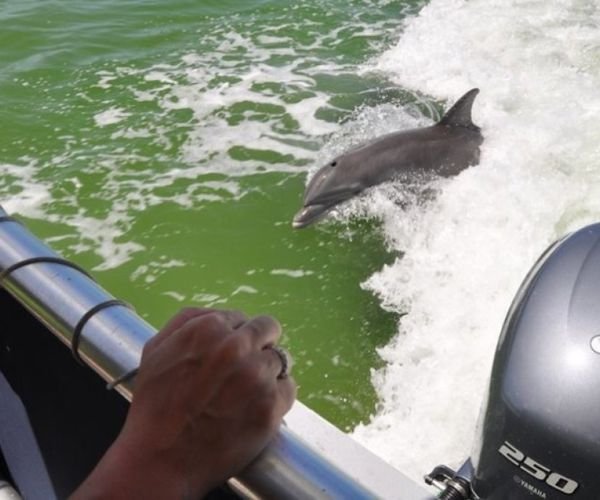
{"x": 285, "y": 358}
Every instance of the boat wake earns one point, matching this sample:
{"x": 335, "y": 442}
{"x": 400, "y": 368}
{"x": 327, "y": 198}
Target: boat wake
{"x": 465, "y": 253}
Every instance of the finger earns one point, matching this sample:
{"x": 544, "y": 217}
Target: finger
{"x": 176, "y": 322}
{"x": 183, "y": 316}
{"x": 191, "y": 315}
{"x": 262, "y": 331}
{"x": 278, "y": 360}
{"x": 219, "y": 320}
{"x": 256, "y": 378}
{"x": 204, "y": 332}
{"x": 287, "y": 390}
{"x": 236, "y": 318}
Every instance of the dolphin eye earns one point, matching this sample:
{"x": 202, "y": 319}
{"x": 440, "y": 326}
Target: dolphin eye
{"x": 333, "y": 163}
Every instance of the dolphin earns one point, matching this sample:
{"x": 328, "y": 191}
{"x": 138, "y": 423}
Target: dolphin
{"x": 444, "y": 149}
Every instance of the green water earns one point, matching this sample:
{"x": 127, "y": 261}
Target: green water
{"x": 165, "y": 146}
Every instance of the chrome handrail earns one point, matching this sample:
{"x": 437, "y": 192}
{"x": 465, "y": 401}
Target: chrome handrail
{"x": 324, "y": 463}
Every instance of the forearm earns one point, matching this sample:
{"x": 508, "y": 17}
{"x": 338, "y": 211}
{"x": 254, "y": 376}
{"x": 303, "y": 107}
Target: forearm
{"x": 125, "y": 473}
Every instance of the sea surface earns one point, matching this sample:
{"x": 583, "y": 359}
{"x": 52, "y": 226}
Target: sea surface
{"x": 165, "y": 146}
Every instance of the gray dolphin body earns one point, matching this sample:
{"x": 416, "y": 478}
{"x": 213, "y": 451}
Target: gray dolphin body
{"x": 444, "y": 149}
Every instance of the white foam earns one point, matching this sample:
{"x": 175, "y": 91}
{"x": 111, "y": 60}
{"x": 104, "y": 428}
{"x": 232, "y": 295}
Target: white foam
{"x": 102, "y": 235}
{"x": 292, "y": 273}
{"x": 110, "y": 116}
{"x": 465, "y": 253}
{"x": 244, "y": 289}
{"x": 179, "y": 297}
{"x": 150, "y": 271}
{"x": 28, "y": 196}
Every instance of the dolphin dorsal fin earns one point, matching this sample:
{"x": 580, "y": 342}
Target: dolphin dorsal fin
{"x": 459, "y": 115}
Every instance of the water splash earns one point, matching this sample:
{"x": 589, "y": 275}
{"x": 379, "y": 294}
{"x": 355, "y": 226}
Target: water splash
{"x": 465, "y": 254}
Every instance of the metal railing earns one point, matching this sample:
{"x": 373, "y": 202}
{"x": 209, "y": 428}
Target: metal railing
{"x": 324, "y": 463}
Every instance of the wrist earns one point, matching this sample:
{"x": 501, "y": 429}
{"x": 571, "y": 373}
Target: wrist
{"x": 129, "y": 471}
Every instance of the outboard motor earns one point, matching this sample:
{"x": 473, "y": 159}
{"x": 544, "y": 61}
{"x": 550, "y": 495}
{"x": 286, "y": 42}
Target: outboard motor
{"x": 539, "y": 429}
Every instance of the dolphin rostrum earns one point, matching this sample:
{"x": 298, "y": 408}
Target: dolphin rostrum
{"x": 444, "y": 149}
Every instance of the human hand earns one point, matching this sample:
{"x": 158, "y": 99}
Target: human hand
{"x": 207, "y": 399}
